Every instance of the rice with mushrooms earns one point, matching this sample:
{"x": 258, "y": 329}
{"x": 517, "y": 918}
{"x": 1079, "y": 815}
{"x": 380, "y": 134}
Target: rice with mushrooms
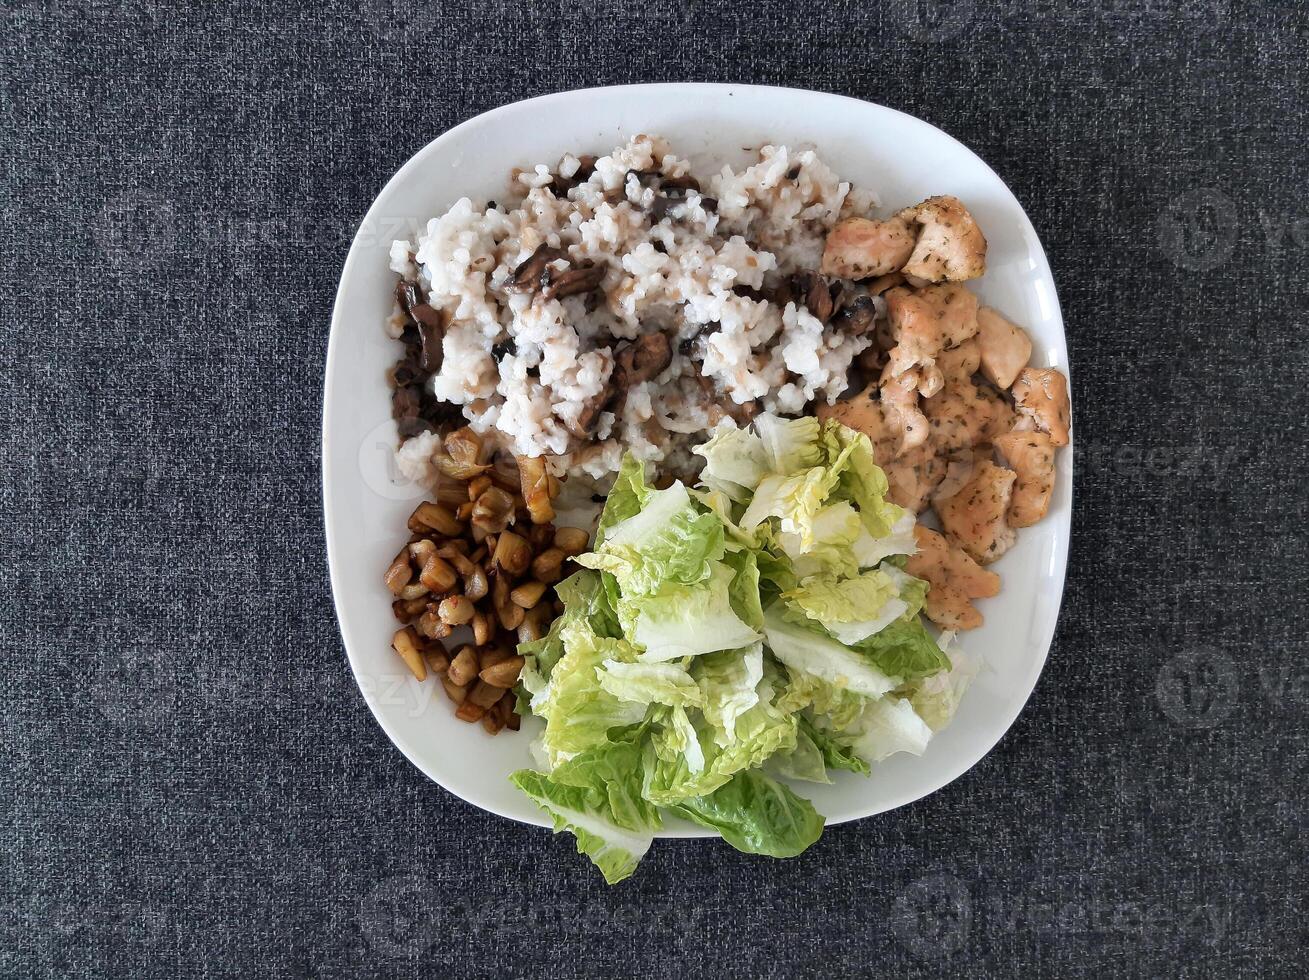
{"x": 550, "y": 296}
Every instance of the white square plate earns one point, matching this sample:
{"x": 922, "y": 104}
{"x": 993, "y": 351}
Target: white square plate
{"x": 366, "y": 503}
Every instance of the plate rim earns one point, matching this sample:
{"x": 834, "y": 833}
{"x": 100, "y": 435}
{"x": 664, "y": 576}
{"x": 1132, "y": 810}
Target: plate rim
{"x": 354, "y": 257}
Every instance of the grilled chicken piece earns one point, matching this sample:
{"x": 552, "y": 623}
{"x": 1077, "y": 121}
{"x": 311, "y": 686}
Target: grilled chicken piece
{"x": 959, "y": 465}
{"x": 1041, "y": 395}
{"x": 924, "y": 322}
{"x": 1031, "y": 456}
{"x": 858, "y": 248}
{"x": 974, "y": 518}
{"x": 1005, "y": 347}
{"x": 963, "y": 415}
{"x": 914, "y": 477}
{"x": 955, "y": 580}
{"x": 960, "y": 363}
{"x": 950, "y": 246}
{"x": 865, "y": 413}
{"x": 901, "y": 410}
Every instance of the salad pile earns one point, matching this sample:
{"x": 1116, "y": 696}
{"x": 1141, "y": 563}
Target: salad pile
{"x": 721, "y": 638}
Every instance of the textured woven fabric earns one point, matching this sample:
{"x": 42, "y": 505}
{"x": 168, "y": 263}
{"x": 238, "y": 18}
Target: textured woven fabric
{"x": 192, "y": 785}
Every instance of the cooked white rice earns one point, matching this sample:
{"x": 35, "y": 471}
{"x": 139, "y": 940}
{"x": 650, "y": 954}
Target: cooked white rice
{"x": 674, "y": 275}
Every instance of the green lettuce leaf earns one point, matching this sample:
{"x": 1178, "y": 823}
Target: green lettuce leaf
{"x": 578, "y": 712}
{"x": 851, "y": 609}
{"x": 790, "y": 445}
{"x": 837, "y": 704}
{"x": 729, "y": 513}
{"x": 671, "y": 541}
{"x": 805, "y": 761}
{"x": 628, "y": 495}
{"x": 869, "y": 551}
{"x": 735, "y": 462}
{"x": 936, "y": 698}
{"x": 682, "y": 621}
{"x": 887, "y": 726}
{"x": 597, "y": 797}
{"x": 807, "y": 651}
{"x": 835, "y": 754}
{"x": 760, "y": 731}
{"x": 757, "y": 815}
{"x": 744, "y": 590}
{"x": 728, "y": 683}
{"x": 646, "y": 683}
{"x": 850, "y": 455}
{"x": 776, "y": 574}
{"x": 831, "y": 549}
{"x": 904, "y": 649}
{"x": 795, "y": 500}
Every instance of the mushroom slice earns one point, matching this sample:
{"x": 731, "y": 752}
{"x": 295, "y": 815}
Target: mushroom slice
{"x": 641, "y": 359}
{"x": 1005, "y": 347}
{"x": 527, "y": 275}
{"x": 950, "y": 246}
{"x": 914, "y": 477}
{"x": 573, "y": 281}
{"x": 900, "y": 405}
{"x": 1041, "y": 394}
{"x": 924, "y": 322}
{"x": 1031, "y": 456}
{"x": 865, "y": 413}
{"x": 955, "y": 580}
{"x": 974, "y": 518}
{"x": 859, "y": 248}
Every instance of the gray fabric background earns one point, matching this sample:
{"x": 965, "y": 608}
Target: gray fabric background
{"x": 192, "y": 785}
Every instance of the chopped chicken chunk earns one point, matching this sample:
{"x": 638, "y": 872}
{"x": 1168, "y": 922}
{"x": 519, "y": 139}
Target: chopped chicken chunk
{"x": 900, "y": 405}
{"x": 1041, "y": 395}
{"x": 955, "y": 580}
{"x": 960, "y": 362}
{"x": 914, "y": 477}
{"x": 864, "y": 413}
{"x": 1031, "y": 456}
{"x": 963, "y": 415}
{"x": 1005, "y": 347}
{"x": 924, "y": 322}
{"x": 858, "y": 248}
{"x": 1003, "y": 417}
{"x": 974, "y": 518}
{"x": 950, "y": 245}
{"x": 959, "y": 465}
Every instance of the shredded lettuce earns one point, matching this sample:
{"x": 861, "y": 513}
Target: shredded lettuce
{"x": 725, "y": 638}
